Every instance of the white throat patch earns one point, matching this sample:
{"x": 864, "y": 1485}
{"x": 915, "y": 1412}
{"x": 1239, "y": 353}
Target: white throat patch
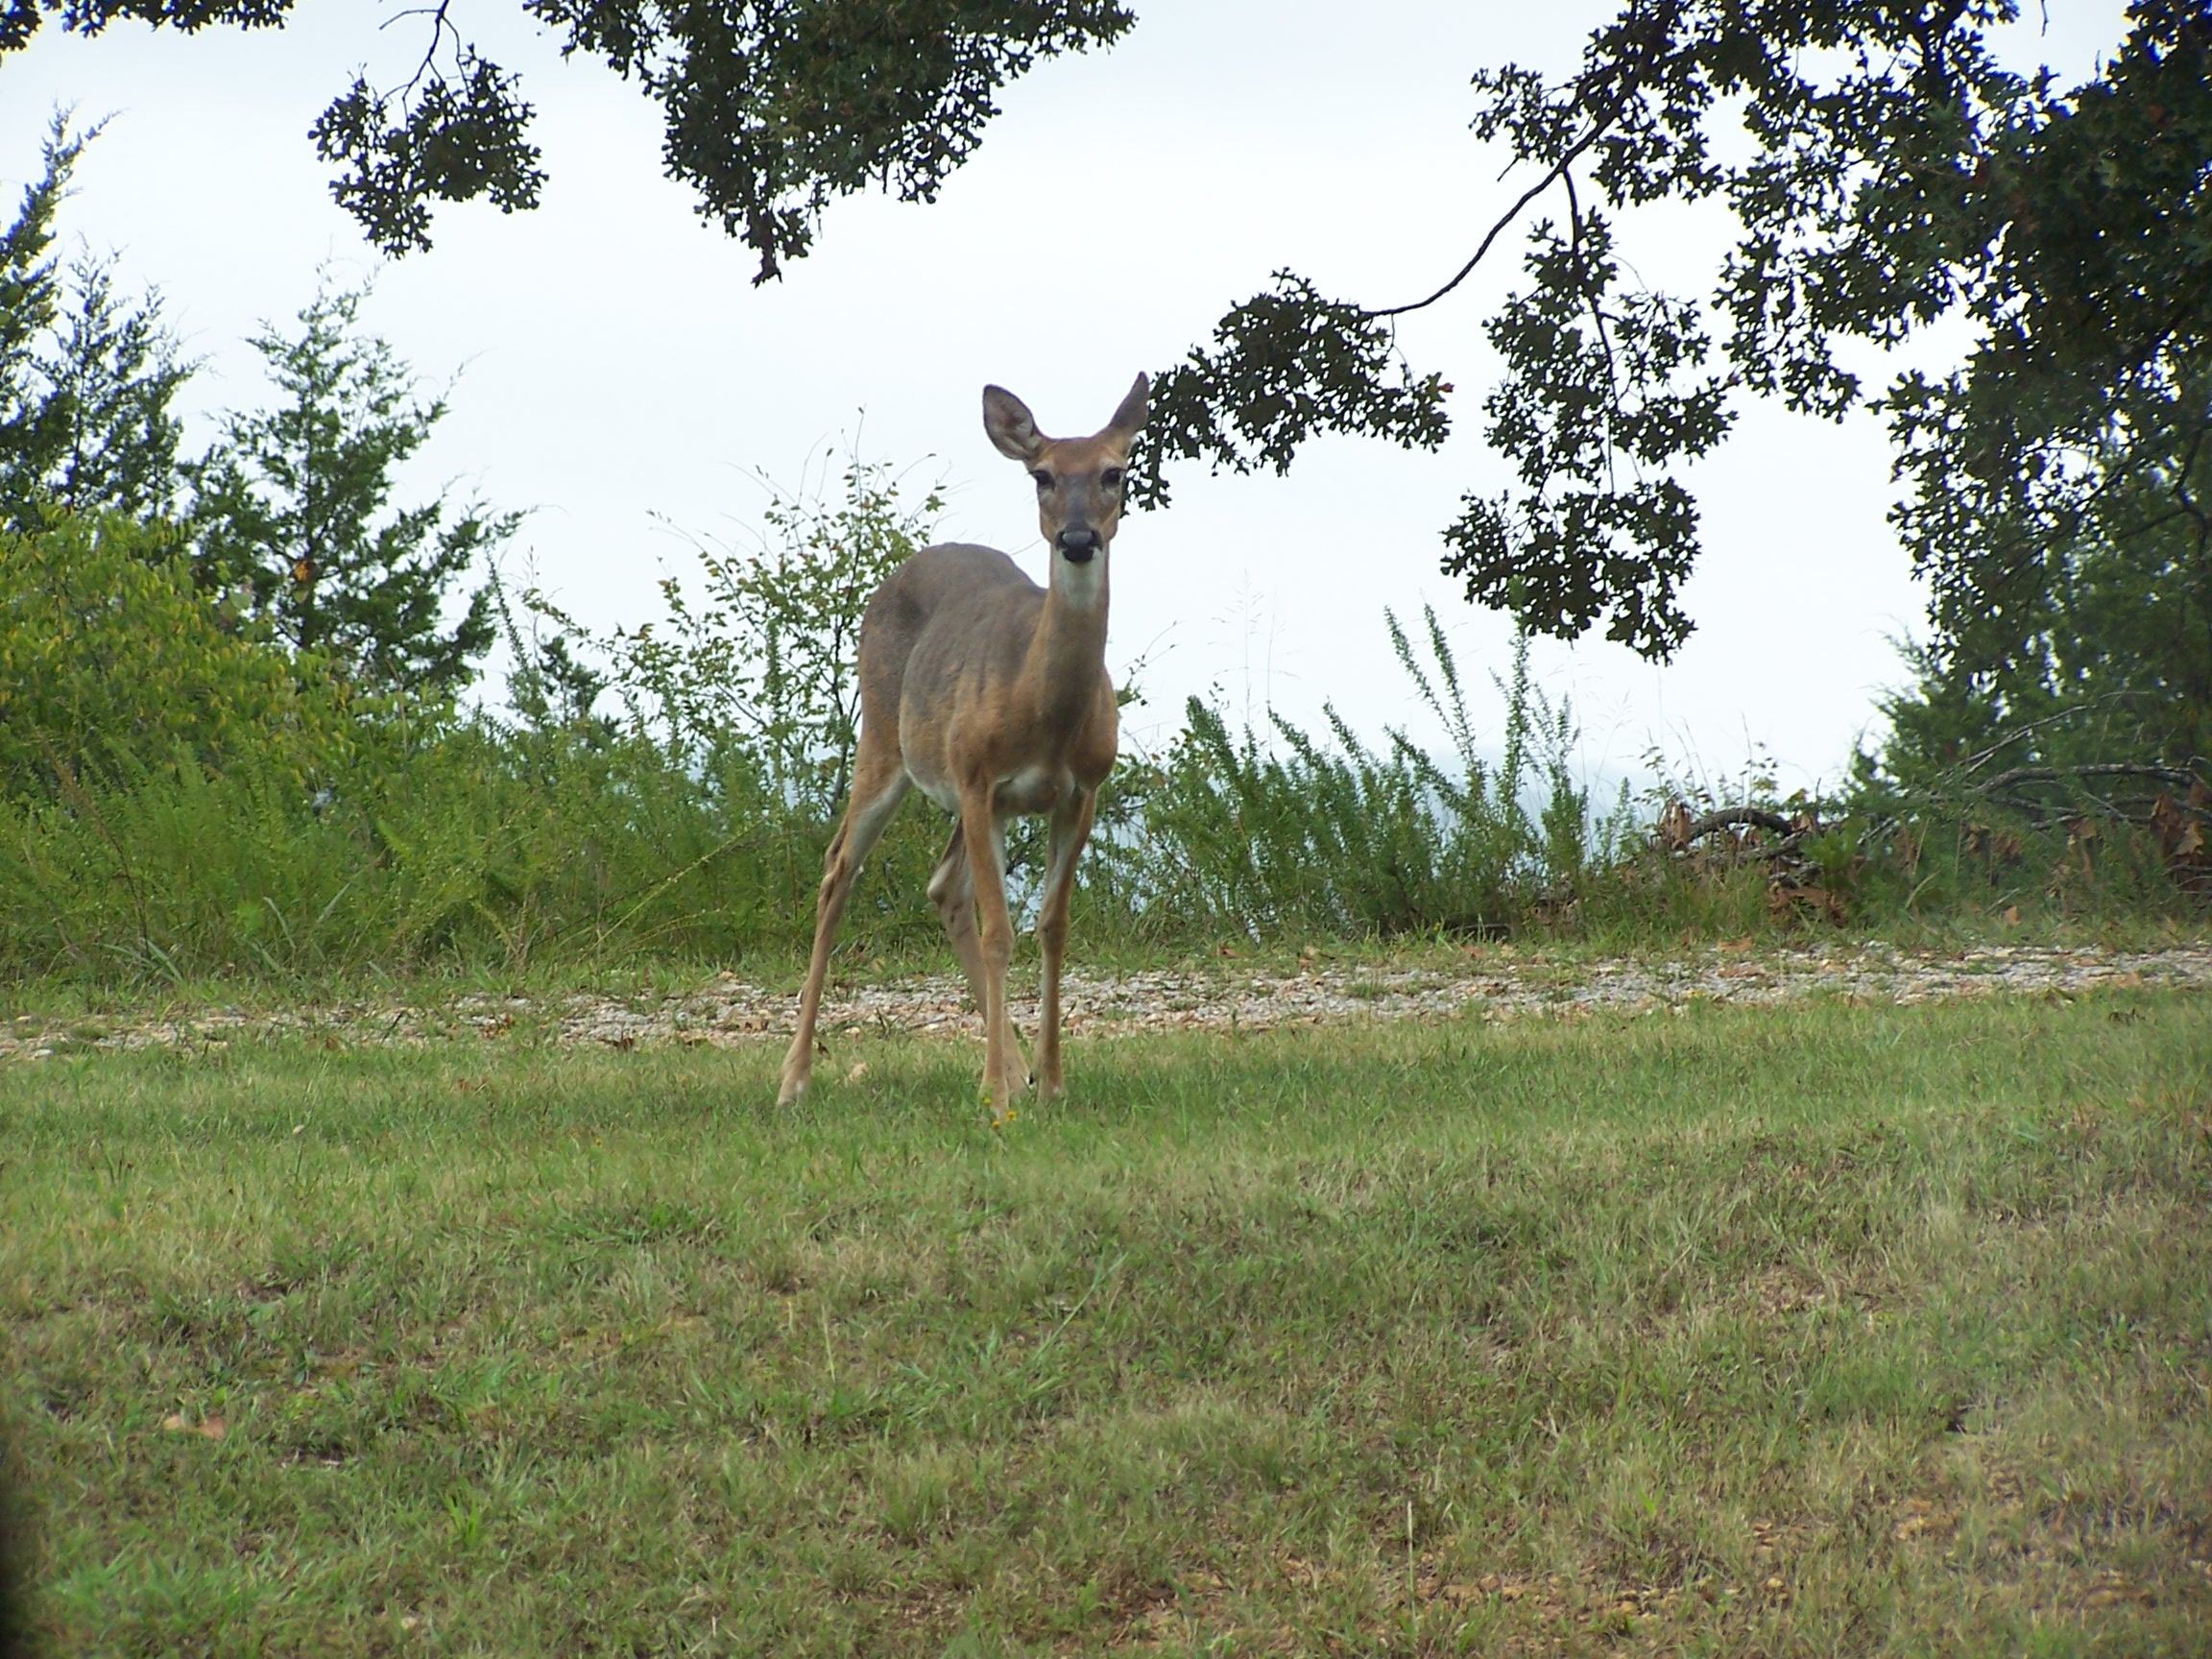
{"x": 1079, "y": 585}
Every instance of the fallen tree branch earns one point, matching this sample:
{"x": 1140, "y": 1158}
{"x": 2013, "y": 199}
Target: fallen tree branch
{"x": 1751, "y": 817}
{"x": 2177, "y": 777}
{"x": 1676, "y": 829}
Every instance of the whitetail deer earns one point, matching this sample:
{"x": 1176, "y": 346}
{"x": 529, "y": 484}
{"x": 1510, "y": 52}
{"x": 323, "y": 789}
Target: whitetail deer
{"x": 990, "y": 694}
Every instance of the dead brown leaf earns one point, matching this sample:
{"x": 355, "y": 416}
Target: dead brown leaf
{"x": 2180, "y": 834}
{"x": 1921, "y": 1519}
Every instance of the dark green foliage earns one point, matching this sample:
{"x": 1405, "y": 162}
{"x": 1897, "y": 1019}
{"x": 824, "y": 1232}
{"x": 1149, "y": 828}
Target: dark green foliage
{"x": 293, "y": 506}
{"x": 2117, "y": 677}
{"x": 1603, "y": 390}
{"x": 2060, "y": 478}
{"x": 1282, "y": 367}
{"x": 449, "y": 137}
{"x": 85, "y": 380}
{"x": 1897, "y": 175}
{"x": 772, "y": 109}
{"x": 30, "y": 301}
{"x": 113, "y": 374}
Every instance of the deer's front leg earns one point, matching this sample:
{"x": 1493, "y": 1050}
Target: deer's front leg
{"x": 1071, "y": 829}
{"x": 995, "y": 931}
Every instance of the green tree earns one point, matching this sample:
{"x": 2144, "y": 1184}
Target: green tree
{"x": 86, "y": 380}
{"x": 293, "y": 506}
{"x": 2099, "y": 653}
{"x": 1896, "y": 174}
{"x": 772, "y": 106}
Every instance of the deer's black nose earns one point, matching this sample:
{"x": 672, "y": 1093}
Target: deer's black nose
{"x": 1078, "y": 545}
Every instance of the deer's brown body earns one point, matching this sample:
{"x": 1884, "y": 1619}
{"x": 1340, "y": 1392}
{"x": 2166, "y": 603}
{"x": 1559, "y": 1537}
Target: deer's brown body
{"x": 990, "y": 695}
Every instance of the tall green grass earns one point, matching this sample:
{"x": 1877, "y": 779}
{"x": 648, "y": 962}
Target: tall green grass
{"x": 483, "y": 850}
{"x": 1262, "y": 834}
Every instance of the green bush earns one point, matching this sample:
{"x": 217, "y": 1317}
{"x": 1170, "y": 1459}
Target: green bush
{"x": 111, "y": 657}
{"x": 180, "y": 796}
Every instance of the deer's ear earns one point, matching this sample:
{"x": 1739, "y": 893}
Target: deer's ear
{"x": 1129, "y": 420}
{"x": 1012, "y": 427}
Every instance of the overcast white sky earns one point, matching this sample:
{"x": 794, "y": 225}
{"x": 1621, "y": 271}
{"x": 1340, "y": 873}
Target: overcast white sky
{"x": 618, "y": 364}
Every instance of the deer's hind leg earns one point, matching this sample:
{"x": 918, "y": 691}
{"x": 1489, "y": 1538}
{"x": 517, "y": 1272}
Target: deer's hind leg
{"x": 983, "y": 836}
{"x": 880, "y": 782}
{"x": 953, "y": 888}
{"x": 1071, "y": 829}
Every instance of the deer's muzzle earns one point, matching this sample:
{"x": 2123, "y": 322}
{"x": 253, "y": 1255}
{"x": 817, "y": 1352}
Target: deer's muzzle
{"x": 1078, "y": 545}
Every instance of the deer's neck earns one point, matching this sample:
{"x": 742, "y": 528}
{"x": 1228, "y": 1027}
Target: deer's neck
{"x": 1068, "y": 652}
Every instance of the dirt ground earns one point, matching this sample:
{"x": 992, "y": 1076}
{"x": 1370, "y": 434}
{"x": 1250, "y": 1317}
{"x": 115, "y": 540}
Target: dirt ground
{"x": 1495, "y": 982}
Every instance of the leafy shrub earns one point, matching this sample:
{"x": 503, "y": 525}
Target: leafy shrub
{"x": 766, "y": 663}
{"x": 111, "y": 657}
{"x": 178, "y": 794}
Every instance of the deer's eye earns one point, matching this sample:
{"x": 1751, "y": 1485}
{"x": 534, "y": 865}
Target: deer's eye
{"x": 1043, "y": 477}
{"x": 1111, "y": 478}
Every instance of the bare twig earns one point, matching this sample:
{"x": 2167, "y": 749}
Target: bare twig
{"x": 1600, "y": 126}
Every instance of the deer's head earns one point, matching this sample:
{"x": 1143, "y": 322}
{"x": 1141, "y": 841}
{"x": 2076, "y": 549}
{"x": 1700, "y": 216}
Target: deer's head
{"x": 1079, "y": 480}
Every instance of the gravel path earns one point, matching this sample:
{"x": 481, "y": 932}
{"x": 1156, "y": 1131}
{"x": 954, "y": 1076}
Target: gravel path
{"x": 1496, "y": 983}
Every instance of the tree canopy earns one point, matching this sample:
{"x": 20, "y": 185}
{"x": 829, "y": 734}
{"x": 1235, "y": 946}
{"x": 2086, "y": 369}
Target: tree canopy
{"x": 1896, "y": 173}
{"x": 773, "y": 108}
{"x": 1883, "y": 169}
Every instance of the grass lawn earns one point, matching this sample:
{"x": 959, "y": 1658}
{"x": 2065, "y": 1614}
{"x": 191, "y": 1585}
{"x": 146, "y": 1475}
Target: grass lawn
{"x": 1823, "y": 1330}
